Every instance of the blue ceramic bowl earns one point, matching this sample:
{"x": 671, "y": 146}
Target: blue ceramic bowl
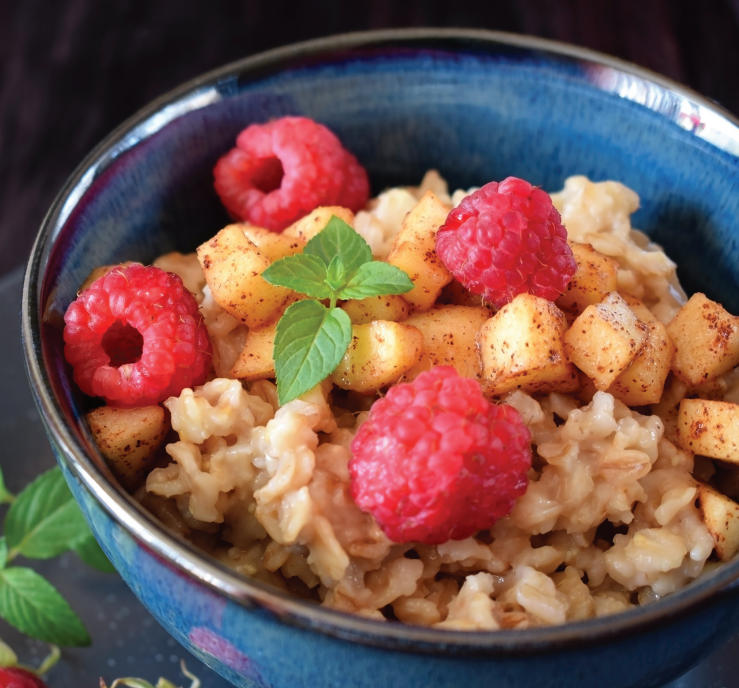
{"x": 477, "y": 106}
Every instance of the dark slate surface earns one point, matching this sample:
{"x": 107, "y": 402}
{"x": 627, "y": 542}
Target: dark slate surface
{"x": 126, "y": 639}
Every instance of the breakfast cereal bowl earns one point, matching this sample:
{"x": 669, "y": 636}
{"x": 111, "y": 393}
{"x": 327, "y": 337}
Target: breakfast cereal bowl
{"x": 476, "y": 106}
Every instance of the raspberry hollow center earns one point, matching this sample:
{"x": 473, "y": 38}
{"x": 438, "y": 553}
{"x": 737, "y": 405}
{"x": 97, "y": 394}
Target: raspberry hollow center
{"x": 123, "y": 344}
{"x": 268, "y": 175}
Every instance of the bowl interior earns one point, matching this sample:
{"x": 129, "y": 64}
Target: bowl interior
{"x": 474, "y": 108}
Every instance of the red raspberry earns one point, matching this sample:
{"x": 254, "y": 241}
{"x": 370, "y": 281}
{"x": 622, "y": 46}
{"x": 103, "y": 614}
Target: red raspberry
{"x": 507, "y": 239}
{"x": 436, "y": 461}
{"x": 14, "y": 677}
{"x": 282, "y": 170}
{"x": 135, "y": 337}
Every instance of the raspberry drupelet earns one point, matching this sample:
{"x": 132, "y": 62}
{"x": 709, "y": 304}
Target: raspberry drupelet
{"x": 436, "y": 461}
{"x": 284, "y": 169}
{"x": 17, "y": 677}
{"x": 507, "y": 239}
{"x": 136, "y": 337}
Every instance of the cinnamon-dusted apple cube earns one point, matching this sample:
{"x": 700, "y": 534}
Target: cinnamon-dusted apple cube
{"x": 643, "y": 381}
{"x": 378, "y": 355}
{"x": 522, "y": 347}
{"x": 363, "y": 311}
{"x": 450, "y": 338}
{"x": 596, "y": 277}
{"x": 721, "y": 516}
{"x": 256, "y": 360}
{"x": 709, "y": 428}
{"x": 605, "y": 339}
{"x": 129, "y": 439}
{"x": 414, "y": 252}
{"x": 307, "y": 227}
{"x": 233, "y": 265}
{"x": 707, "y": 340}
{"x": 271, "y": 244}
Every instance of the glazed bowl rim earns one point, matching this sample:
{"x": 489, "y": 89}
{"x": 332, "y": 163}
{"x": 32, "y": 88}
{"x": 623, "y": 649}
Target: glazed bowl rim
{"x": 216, "y": 576}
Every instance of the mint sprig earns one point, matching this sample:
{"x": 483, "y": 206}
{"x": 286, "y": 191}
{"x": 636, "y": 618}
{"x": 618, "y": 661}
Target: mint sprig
{"x": 312, "y": 338}
{"x": 42, "y": 522}
{"x": 45, "y": 520}
{"x": 33, "y": 605}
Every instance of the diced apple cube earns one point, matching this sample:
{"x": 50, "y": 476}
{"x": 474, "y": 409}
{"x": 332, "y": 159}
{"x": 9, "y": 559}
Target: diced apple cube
{"x": 596, "y": 277}
{"x": 605, "y": 339}
{"x": 522, "y": 347}
{"x": 233, "y": 265}
{"x": 129, "y": 439}
{"x": 450, "y": 338}
{"x": 643, "y": 381}
{"x": 378, "y": 355}
{"x": 307, "y": 227}
{"x": 256, "y": 361}
{"x": 709, "y": 428}
{"x": 721, "y": 516}
{"x": 363, "y": 311}
{"x": 414, "y": 252}
{"x": 272, "y": 244}
{"x": 707, "y": 340}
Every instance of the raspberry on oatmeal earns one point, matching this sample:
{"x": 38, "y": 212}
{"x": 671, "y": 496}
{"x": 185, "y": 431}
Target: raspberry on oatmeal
{"x": 135, "y": 337}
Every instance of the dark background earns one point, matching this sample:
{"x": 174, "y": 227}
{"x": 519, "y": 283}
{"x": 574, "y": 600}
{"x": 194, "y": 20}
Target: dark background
{"x": 71, "y": 70}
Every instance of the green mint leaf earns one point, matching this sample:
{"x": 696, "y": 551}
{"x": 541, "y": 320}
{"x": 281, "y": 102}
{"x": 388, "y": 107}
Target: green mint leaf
{"x": 5, "y": 496}
{"x": 8, "y": 658}
{"x": 338, "y": 239}
{"x": 306, "y": 274}
{"x": 336, "y": 273}
{"x": 3, "y": 552}
{"x": 44, "y": 520}
{"x": 309, "y": 343}
{"x": 32, "y": 604}
{"x": 91, "y": 553}
{"x": 376, "y": 279}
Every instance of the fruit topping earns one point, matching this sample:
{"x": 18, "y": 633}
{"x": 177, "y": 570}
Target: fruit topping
{"x": 507, "y": 239}
{"x": 282, "y": 170}
{"x": 436, "y": 461}
{"x": 135, "y": 337}
{"x": 16, "y": 677}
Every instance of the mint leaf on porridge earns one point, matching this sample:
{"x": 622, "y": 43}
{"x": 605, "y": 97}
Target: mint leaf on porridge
{"x": 301, "y": 273}
{"x": 337, "y": 238}
{"x": 44, "y": 520}
{"x": 32, "y": 605}
{"x": 336, "y": 273}
{"x": 310, "y": 341}
{"x": 376, "y": 279}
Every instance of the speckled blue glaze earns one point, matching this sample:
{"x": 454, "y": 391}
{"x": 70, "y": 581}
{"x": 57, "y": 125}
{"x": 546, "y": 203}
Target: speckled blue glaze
{"x": 477, "y": 106}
